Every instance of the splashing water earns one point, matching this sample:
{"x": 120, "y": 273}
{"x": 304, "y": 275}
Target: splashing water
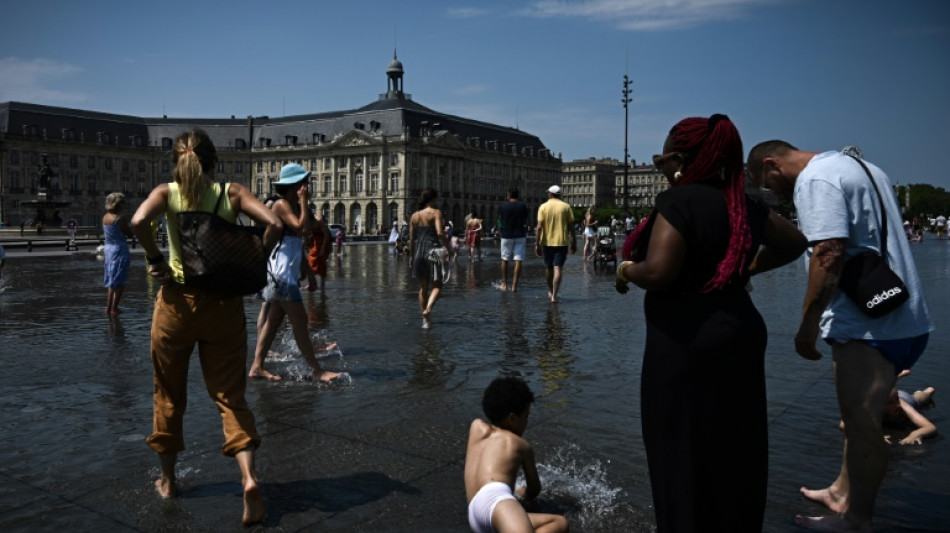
{"x": 578, "y": 488}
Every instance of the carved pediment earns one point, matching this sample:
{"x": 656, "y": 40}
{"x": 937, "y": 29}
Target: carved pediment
{"x": 355, "y": 138}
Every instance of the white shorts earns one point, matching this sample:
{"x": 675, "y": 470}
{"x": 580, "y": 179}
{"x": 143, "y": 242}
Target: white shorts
{"x": 513, "y": 249}
{"x": 483, "y": 505}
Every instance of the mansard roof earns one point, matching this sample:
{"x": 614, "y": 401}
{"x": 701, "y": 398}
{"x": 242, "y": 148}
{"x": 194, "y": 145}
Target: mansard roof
{"x": 393, "y": 114}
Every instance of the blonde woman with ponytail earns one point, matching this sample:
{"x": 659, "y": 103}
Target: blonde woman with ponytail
{"x": 185, "y": 316}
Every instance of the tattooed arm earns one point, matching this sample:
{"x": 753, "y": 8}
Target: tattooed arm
{"x": 824, "y": 270}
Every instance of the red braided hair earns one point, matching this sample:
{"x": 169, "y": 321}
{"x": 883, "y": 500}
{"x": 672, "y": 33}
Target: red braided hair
{"x": 713, "y": 151}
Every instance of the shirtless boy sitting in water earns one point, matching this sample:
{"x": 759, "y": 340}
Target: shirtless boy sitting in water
{"x": 495, "y": 453}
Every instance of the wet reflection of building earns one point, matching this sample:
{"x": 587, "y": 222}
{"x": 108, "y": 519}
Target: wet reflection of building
{"x": 517, "y": 347}
{"x": 554, "y": 360}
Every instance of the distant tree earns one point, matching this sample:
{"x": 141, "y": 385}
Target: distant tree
{"x": 923, "y": 198}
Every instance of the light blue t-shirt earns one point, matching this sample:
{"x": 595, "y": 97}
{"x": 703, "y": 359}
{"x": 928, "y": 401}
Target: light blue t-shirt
{"x": 835, "y": 200}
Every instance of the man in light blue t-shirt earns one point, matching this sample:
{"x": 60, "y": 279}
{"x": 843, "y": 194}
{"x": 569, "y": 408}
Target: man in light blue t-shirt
{"x": 839, "y": 213}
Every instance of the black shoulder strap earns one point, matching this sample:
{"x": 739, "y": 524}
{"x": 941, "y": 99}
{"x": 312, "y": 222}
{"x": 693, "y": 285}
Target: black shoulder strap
{"x": 220, "y": 196}
{"x": 880, "y": 201}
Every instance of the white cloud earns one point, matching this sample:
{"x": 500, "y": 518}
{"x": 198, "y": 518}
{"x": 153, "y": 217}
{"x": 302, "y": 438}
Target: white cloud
{"x": 644, "y": 15}
{"x": 37, "y": 80}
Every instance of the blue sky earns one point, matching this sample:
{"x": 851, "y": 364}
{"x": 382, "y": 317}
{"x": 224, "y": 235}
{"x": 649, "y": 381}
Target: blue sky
{"x": 820, "y": 74}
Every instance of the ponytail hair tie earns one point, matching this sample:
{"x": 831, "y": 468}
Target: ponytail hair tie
{"x": 713, "y": 120}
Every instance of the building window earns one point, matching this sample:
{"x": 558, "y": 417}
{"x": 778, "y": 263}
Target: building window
{"x": 260, "y": 187}
{"x": 260, "y": 166}
{"x": 394, "y": 158}
{"x": 91, "y": 162}
{"x": 374, "y": 161}
{"x": 108, "y": 163}
{"x": 373, "y": 182}
{"x": 327, "y": 163}
{"x": 327, "y": 183}
{"x": 73, "y": 161}
{"x": 343, "y": 162}
{"x": 358, "y": 183}
{"x": 342, "y": 186}
{"x": 125, "y": 165}
{"x": 166, "y": 167}
{"x": 220, "y": 168}
{"x": 142, "y": 186}
{"x": 273, "y": 166}
{"x": 166, "y": 143}
{"x": 14, "y": 157}
{"x": 393, "y": 182}
{"x": 239, "y": 168}
{"x": 142, "y": 166}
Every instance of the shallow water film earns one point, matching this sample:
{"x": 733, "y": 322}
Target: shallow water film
{"x": 384, "y": 449}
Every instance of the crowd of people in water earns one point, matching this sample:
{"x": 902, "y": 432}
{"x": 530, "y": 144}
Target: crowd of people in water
{"x": 693, "y": 255}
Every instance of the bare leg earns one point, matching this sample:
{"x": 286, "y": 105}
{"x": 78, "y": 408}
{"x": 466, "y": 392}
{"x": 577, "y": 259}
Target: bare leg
{"x": 549, "y": 277}
{"x": 165, "y": 485}
{"x": 110, "y": 298}
{"x": 116, "y": 296}
{"x": 834, "y": 497}
{"x": 433, "y": 296}
{"x": 265, "y": 337}
{"x": 254, "y": 510}
{"x": 298, "y": 322}
{"x": 555, "y": 283}
{"x": 548, "y": 523}
{"x": 424, "y": 301}
{"x": 504, "y": 275}
{"x": 510, "y": 516}
{"x": 863, "y": 378}
{"x": 514, "y": 281}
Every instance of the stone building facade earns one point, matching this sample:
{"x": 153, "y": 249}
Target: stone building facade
{"x": 644, "y": 183}
{"x": 587, "y": 182}
{"x": 369, "y": 164}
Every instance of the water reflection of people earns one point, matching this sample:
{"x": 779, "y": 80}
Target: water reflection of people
{"x": 553, "y": 359}
{"x": 705, "y": 340}
{"x": 185, "y": 316}
{"x": 117, "y": 260}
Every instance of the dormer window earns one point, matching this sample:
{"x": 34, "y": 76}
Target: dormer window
{"x": 290, "y": 140}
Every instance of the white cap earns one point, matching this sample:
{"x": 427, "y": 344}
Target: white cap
{"x": 554, "y": 189}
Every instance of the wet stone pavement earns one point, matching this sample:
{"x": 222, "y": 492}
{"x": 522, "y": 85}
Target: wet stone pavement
{"x": 384, "y": 451}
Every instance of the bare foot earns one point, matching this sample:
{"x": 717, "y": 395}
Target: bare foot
{"x": 262, "y": 374}
{"x": 503, "y": 287}
{"x": 325, "y": 376}
{"x": 828, "y": 497}
{"x": 426, "y": 313}
{"x": 426, "y": 324}
{"x": 327, "y": 347}
{"x": 165, "y": 488}
{"x": 831, "y": 523}
{"x": 254, "y": 511}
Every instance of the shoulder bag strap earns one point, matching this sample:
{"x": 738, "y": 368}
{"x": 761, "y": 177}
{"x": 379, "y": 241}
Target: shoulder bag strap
{"x": 220, "y": 196}
{"x": 880, "y": 201}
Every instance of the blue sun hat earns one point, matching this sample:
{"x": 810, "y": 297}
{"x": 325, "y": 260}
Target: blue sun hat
{"x": 291, "y": 174}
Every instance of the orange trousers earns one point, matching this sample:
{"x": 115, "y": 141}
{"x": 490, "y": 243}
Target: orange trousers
{"x": 182, "y": 318}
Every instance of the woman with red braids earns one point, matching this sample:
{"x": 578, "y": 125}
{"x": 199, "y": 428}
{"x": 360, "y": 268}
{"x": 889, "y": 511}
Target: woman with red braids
{"x": 703, "y": 398}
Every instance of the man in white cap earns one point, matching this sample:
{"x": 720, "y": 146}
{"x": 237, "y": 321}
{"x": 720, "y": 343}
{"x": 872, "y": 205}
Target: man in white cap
{"x": 555, "y": 233}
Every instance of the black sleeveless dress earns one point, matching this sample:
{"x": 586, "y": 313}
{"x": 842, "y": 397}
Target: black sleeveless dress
{"x": 703, "y": 382}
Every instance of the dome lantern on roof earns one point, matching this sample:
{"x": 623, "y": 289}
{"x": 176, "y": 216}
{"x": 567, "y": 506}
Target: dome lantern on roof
{"x": 394, "y": 74}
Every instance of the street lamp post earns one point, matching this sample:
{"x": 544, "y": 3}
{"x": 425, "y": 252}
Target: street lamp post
{"x": 627, "y": 82}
